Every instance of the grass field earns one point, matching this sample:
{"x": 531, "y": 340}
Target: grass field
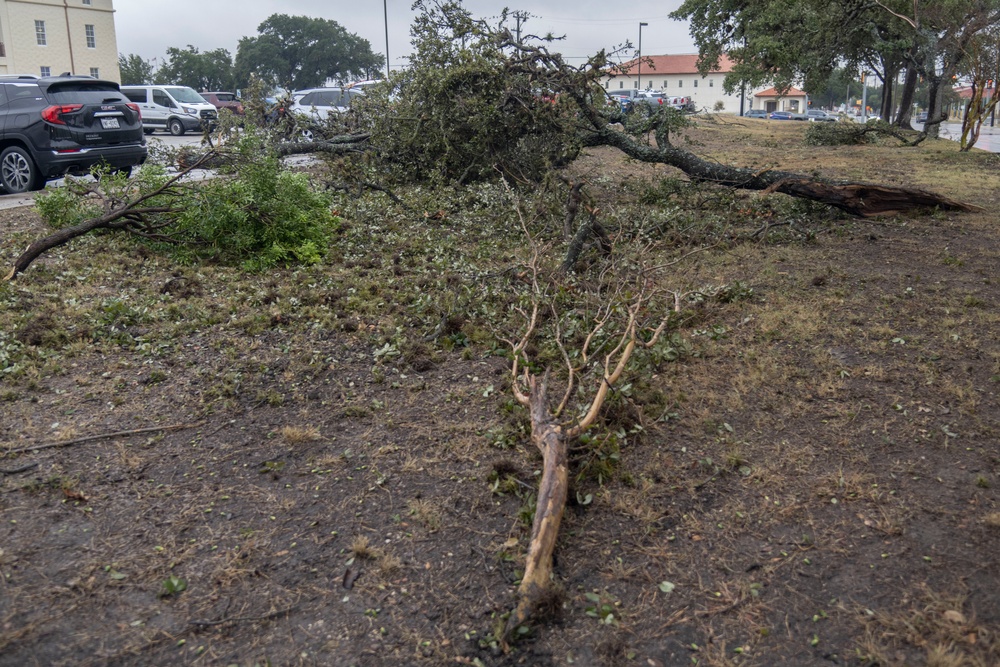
{"x": 325, "y": 465}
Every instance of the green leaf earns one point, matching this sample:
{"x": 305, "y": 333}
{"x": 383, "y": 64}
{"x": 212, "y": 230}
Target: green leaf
{"x": 173, "y": 585}
{"x": 593, "y": 597}
{"x": 667, "y": 587}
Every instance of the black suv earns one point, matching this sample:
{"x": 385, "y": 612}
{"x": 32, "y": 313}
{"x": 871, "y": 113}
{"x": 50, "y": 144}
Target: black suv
{"x": 56, "y": 125}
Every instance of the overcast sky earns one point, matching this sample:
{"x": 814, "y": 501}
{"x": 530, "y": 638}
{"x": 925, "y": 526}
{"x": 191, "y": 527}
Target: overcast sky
{"x": 148, "y": 27}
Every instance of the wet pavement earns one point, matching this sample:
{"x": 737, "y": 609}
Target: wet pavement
{"x": 989, "y": 137}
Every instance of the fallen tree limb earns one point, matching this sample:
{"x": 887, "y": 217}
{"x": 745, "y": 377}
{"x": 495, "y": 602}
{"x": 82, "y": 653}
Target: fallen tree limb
{"x": 860, "y": 199}
{"x": 117, "y": 215}
{"x": 101, "y": 436}
{"x": 350, "y": 143}
{"x": 551, "y": 431}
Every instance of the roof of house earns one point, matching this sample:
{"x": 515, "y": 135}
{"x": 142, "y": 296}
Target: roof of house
{"x": 686, "y": 63}
{"x": 965, "y": 92}
{"x": 772, "y": 92}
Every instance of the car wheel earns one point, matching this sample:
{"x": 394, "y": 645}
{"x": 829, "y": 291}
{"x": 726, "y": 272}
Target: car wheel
{"x": 125, "y": 171}
{"x": 307, "y": 136}
{"x": 147, "y": 130}
{"x": 176, "y": 127}
{"x": 18, "y": 172}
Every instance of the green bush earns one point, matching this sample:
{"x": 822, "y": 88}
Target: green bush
{"x": 259, "y": 215}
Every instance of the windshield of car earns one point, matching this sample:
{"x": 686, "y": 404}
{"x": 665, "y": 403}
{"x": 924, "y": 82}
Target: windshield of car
{"x": 323, "y": 98}
{"x": 225, "y": 97}
{"x": 186, "y": 95}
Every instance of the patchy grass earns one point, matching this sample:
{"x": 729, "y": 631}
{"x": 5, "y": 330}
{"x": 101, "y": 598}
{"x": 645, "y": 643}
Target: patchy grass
{"x": 804, "y": 472}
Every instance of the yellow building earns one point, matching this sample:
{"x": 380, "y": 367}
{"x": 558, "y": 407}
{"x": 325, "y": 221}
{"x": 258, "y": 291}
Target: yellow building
{"x": 51, "y": 37}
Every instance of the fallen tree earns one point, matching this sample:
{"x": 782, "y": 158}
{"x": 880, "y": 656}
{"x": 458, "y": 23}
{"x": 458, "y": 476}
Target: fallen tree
{"x": 595, "y": 126}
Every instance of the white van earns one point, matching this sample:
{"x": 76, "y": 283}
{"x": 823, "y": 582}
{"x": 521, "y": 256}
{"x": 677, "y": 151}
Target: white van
{"x": 176, "y": 109}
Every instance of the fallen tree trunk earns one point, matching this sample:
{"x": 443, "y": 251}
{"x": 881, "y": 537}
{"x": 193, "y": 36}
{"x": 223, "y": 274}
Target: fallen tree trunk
{"x": 861, "y": 199}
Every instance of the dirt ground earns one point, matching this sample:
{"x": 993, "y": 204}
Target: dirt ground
{"x": 247, "y": 474}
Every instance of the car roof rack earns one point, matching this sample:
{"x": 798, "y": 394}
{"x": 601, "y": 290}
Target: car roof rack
{"x": 14, "y": 77}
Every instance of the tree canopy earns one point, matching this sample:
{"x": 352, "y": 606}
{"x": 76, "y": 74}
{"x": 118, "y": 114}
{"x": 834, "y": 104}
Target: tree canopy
{"x": 802, "y": 41}
{"x": 134, "y": 70}
{"x": 302, "y": 52}
{"x": 211, "y": 70}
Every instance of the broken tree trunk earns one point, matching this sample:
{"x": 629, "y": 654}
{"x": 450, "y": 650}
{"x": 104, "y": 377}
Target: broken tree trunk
{"x": 861, "y": 199}
{"x": 551, "y": 441}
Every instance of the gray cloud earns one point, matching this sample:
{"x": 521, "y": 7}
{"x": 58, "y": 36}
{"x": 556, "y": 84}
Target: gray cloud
{"x": 148, "y": 27}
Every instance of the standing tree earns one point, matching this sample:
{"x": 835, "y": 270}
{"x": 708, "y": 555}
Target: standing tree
{"x": 943, "y": 32}
{"x": 302, "y": 52}
{"x": 211, "y": 70}
{"x": 983, "y": 68}
{"x": 134, "y": 70}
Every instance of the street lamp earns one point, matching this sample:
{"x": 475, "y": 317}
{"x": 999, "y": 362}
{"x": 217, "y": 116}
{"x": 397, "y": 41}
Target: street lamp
{"x": 385, "y": 11}
{"x": 638, "y": 84}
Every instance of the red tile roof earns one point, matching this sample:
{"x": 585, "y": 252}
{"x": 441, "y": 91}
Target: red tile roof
{"x": 771, "y": 92}
{"x": 686, "y": 63}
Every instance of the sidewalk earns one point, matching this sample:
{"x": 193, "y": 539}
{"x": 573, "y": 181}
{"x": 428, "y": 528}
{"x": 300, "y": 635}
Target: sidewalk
{"x": 989, "y": 137}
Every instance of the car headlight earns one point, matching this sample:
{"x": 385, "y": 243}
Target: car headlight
{"x": 189, "y": 110}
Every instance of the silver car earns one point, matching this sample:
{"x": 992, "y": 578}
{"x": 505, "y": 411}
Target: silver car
{"x": 318, "y": 103}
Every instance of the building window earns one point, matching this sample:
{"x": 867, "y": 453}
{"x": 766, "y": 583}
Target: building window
{"x": 680, "y": 83}
{"x": 711, "y": 83}
{"x": 621, "y": 84}
{"x": 664, "y": 83}
{"x": 86, "y": 2}
{"x": 696, "y": 83}
{"x": 95, "y": 72}
{"x": 45, "y": 71}
{"x": 91, "y": 36}
{"x": 40, "y": 33}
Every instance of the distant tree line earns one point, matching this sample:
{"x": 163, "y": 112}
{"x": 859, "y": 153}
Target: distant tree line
{"x": 932, "y": 43}
{"x": 291, "y": 52}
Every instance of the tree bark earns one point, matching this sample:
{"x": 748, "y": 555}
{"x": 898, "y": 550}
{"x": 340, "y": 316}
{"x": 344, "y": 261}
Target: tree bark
{"x": 906, "y": 98}
{"x": 553, "y": 490}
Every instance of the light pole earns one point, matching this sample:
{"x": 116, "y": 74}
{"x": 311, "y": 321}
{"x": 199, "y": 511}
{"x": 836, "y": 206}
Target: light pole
{"x": 864, "y": 97}
{"x": 638, "y": 85}
{"x": 385, "y": 11}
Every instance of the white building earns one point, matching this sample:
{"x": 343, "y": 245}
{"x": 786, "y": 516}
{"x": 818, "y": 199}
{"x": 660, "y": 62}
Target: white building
{"x": 49, "y": 37}
{"x": 678, "y": 75}
{"x": 792, "y": 99}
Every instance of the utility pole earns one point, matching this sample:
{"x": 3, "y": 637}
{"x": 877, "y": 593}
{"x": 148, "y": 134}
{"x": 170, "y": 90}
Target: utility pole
{"x": 521, "y": 17}
{"x": 638, "y": 85}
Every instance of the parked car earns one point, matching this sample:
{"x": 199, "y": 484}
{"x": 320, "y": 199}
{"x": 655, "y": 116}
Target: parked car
{"x": 319, "y": 103}
{"x": 685, "y": 104}
{"x": 780, "y": 115}
{"x": 650, "y": 98}
{"x": 222, "y": 100}
{"x": 820, "y": 116}
{"x": 173, "y": 108}
{"x": 621, "y": 98}
{"x": 52, "y": 126}
{"x": 755, "y": 113}
{"x": 922, "y": 117}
